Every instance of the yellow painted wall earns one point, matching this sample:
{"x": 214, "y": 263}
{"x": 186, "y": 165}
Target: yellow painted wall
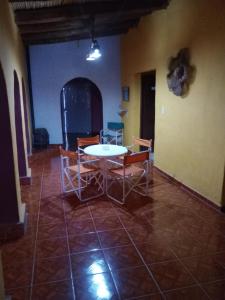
{"x": 190, "y": 135}
{"x": 12, "y": 57}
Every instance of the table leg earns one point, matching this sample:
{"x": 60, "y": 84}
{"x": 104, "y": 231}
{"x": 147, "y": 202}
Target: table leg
{"x": 103, "y": 166}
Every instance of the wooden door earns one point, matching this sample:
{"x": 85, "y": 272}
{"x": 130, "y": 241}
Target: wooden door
{"x": 81, "y": 111}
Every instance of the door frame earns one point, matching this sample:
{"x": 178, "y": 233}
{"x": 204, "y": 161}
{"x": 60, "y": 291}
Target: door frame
{"x": 153, "y": 72}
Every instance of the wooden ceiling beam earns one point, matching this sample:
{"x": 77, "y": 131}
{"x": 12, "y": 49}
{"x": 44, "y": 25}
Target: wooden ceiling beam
{"x": 84, "y": 32}
{"x": 63, "y": 13}
{"x": 77, "y": 1}
{"x": 75, "y": 37}
{"x": 47, "y": 27}
{"x": 67, "y": 22}
{"x": 76, "y": 23}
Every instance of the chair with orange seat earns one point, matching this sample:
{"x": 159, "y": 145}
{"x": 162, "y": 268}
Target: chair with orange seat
{"x": 144, "y": 143}
{"x": 87, "y": 141}
{"x": 80, "y": 176}
{"x": 129, "y": 175}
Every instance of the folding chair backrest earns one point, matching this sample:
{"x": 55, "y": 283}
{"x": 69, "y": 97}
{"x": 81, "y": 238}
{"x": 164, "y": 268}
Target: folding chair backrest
{"x": 92, "y": 140}
{"x": 77, "y": 176}
{"x": 67, "y": 153}
{"x": 142, "y": 142}
{"x": 136, "y": 157}
{"x": 113, "y": 134}
{"x": 115, "y": 125}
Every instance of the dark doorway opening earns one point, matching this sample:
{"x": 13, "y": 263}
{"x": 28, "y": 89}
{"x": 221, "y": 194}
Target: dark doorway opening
{"x": 26, "y": 117}
{"x": 8, "y": 194}
{"x": 147, "y": 126}
{"x": 81, "y": 111}
{"x": 19, "y": 128}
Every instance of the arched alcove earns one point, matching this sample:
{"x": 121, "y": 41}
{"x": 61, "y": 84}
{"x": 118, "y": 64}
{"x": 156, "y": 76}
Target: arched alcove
{"x": 26, "y": 117}
{"x": 81, "y": 110}
{"x": 8, "y": 193}
{"x": 19, "y": 128}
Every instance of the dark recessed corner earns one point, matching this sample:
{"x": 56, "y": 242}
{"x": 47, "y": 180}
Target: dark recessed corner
{"x": 223, "y": 209}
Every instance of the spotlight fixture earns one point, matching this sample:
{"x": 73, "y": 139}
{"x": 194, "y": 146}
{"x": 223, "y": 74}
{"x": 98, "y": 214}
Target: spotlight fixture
{"x": 95, "y": 52}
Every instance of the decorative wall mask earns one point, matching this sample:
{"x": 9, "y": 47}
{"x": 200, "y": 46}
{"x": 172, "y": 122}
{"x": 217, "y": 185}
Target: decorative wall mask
{"x": 178, "y": 78}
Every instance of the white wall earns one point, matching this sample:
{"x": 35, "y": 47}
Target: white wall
{"x": 53, "y": 65}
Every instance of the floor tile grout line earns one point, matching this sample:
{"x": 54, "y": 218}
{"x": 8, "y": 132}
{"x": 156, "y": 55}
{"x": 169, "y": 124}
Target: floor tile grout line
{"x": 191, "y": 237}
{"x": 52, "y": 238}
{"x": 212, "y": 281}
{"x": 149, "y": 271}
{"x": 197, "y": 255}
{"x": 217, "y": 231}
{"x": 143, "y": 296}
{"x": 201, "y": 201}
{"x": 52, "y": 257}
{"x": 101, "y": 248}
{"x": 190, "y": 273}
{"x": 68, "y": 249}
{"x": 181, "y": 288}
{"x": 195, "y": 214}
{"x": 208, "y": 283}
{"x": 36, "y": 235}
{"x": 136, "y": 243}
{"x": 126, "y": 245}
{"x": 104, "y": 254}
{"x": 45, "y": 283}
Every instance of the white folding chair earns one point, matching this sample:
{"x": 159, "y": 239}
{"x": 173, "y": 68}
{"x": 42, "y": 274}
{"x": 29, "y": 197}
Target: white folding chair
{"x": 129, "y": 175}
{"x": 87, "y": 141}
{"x": 113, "y": 134}
{"x": 80, "y": 176}
{"x": 147, "y": 144}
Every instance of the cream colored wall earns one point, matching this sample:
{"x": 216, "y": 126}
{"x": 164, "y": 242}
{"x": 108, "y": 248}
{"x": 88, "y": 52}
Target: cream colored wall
{"x": 190, "y": 134}
{"x": 12, "y": 57}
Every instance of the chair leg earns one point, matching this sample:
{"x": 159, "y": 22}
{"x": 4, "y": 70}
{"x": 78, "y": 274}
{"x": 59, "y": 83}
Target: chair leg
{"x": 122, "y": 202}
{"x": 147, "y": 178}
{"x": 62, "y": 177}
{"x": 88, "y": 179}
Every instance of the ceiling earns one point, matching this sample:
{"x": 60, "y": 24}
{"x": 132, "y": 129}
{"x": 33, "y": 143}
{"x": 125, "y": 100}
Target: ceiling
{"x": 41, "y": 22}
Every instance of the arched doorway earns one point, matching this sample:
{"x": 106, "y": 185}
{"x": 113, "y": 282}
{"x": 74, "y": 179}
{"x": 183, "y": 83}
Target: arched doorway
{"x": 81, "y": 110}
{"x": 19, "y": 128}
{"x": 8, "y": 193}
{"x": 26, "y": 117}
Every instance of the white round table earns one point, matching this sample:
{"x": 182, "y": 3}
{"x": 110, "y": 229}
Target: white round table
{"x": 103, "y": 151}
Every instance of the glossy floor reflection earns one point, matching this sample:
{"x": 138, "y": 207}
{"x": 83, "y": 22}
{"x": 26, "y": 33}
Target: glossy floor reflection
{"x": 167, "y": 246}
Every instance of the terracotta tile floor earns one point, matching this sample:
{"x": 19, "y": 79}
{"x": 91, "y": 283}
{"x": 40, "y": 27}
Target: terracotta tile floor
{"x": 167, "y": 246}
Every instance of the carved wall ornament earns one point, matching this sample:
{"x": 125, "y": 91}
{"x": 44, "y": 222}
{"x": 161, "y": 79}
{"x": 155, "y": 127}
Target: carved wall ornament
{"x": 180, "y": 72}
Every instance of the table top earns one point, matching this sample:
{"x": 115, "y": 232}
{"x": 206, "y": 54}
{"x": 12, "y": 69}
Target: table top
{"x": 105, "y": 150}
